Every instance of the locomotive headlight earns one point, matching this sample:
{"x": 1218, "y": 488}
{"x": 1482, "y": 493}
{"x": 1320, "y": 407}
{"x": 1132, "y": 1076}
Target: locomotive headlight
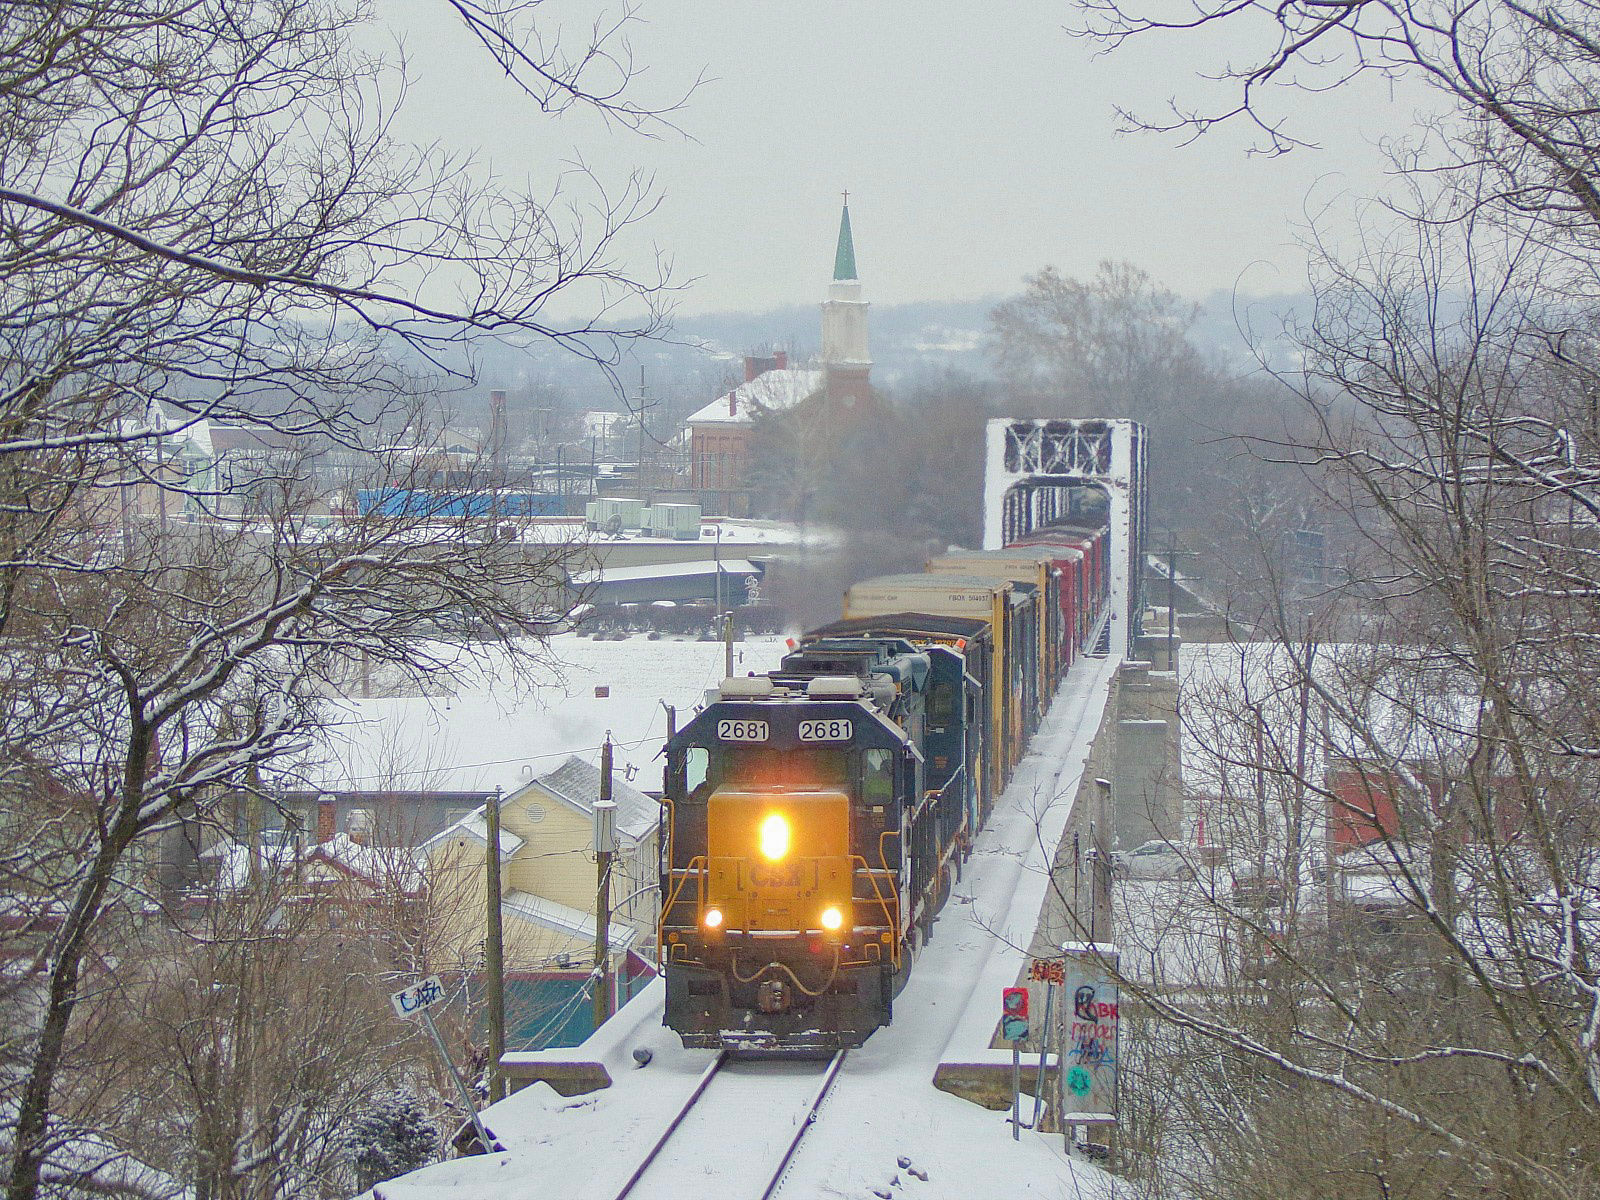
{"x": 713, "y": 918}
{"x": 832, "y": 919}
{"x": 775, "y": 837}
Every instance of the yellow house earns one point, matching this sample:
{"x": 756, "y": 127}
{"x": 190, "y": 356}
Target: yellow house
{"x": 548, "y": 878}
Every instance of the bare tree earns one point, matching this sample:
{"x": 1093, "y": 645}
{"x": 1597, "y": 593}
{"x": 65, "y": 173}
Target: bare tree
{"x": 1119, "y": 345}
{"x": 1518, "y": 86}
{"x": 1408, "y": 912}
{"x": 1445, "y": 1016}
{"x": 210, "y": 224}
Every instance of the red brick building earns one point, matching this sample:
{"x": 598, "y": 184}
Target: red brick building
{"x": 721, "y": 433}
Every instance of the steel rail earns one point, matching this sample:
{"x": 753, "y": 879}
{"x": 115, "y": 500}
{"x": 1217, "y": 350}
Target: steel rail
{"x": 806, "y": 1123}
{"x": 666, "y": 1134}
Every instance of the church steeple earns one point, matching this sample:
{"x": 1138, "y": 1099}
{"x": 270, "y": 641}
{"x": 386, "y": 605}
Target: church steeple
{"x": 845, "y": 358}
{"x": 844, "y": 258}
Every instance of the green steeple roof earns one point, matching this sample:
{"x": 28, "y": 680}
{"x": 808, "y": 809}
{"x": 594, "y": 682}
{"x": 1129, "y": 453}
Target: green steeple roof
{"x": 844, "y": 259}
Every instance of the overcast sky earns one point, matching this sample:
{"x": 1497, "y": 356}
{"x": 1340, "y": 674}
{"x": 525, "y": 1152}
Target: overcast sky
{"x": 977, "y": 142}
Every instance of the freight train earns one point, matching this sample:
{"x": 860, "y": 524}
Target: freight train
{"x": 817, "y": 816}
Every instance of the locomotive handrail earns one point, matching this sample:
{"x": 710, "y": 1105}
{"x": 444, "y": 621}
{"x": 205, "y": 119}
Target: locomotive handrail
{"x": 883, "y": 856}
{"x": 888, "y": 916}
{"x": 671, "y": 899}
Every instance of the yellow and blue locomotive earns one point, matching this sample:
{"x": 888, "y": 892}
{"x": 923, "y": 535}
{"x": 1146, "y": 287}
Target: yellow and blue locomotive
{"x": 817, "y": 816}
{"x": 808, "y": 840}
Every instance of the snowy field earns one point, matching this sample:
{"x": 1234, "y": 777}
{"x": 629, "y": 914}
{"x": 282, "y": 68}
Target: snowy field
{"x": 482, "y": 733}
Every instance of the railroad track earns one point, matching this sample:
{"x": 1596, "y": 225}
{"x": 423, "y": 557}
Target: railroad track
{"x": 741, "y": 1125}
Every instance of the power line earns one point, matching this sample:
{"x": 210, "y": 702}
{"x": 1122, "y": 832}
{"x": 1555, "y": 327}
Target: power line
{"x": 500, "y": 762}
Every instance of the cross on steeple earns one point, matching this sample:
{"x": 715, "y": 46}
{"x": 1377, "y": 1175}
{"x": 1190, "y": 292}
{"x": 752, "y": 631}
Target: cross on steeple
{"x": 847, "y": 197}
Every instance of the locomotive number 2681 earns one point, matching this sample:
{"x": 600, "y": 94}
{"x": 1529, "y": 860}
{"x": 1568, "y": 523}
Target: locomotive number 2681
{"x": 825, "y": 731}
{"x": 742, "y": 731}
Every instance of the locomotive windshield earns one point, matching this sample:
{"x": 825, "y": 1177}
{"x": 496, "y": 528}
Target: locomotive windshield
{"x": 768, "y": 767}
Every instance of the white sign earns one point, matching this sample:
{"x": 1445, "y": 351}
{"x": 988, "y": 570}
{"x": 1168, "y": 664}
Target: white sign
{"x": 1092, "y": 1034}
{"x": 742, "y": 731}
{"x": 423, "y": 994}
{"x": 832, "y": 730}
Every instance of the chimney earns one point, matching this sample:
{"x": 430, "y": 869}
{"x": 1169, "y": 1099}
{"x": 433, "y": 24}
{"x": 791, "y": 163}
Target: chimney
{"x": 752, "y": 367}
{"x": 327, "y": 820}
{"x": 733, "y": 403}
{"x": 781, "y": 359}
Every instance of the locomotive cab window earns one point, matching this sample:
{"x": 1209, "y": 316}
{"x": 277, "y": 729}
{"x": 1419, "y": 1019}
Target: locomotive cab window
{"x": 696, "y": 770}
{"x": 877, "y": 778}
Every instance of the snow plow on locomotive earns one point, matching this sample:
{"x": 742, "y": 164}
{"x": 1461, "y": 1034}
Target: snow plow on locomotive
{"x": 817, "y": 817}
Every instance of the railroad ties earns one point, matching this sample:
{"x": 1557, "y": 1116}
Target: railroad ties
{"x": 748, "y": 1117}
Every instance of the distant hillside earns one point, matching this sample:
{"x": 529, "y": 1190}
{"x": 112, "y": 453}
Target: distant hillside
{"x": 908, "y": 341}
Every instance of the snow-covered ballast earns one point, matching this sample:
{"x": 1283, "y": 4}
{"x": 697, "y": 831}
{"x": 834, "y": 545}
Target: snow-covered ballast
{"x": 808, "y": 844}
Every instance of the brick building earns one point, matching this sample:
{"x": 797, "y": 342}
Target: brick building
{"x": 722, "y": 432}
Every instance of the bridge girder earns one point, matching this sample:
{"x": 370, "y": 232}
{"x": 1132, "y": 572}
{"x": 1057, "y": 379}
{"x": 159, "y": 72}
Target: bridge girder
{"x": 1031, "y": 464}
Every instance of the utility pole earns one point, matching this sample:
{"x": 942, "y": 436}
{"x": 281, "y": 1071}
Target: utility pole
{"x": 1172, "y": 596}
{"x": 644, "y": 408}
{"x": 494, "y": 952}
{"x": 727, "y": 645}
{"x": 716, "y": 560}
{"x": 605, "y": 848}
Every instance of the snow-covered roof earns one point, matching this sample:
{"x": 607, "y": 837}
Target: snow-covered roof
{"x": 1371, "y": 703}
{"x": 774, "y": 391}
{"x": 683, "y": 570}
{"x": 578, "y": 784}
{"x": 233, "y": 861}
{"x": 379, "y": 864}
{"x": 603, "y": 422}
{"x": 474, "y": 825}
{"x": 559, "y": 918}
{"x": 491, "y": 731}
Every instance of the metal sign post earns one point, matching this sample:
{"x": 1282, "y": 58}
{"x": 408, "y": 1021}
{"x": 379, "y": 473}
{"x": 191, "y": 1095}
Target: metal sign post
{"x": 415, "y": 1001}
{"x": 1014, "y": 1029}
{"x": 1052, "y": 973}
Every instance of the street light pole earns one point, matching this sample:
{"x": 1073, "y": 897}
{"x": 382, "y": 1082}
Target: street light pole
{"x": 716, "y": 558}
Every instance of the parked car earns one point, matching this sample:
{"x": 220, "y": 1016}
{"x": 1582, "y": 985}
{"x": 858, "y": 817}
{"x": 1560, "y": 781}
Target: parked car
{"x": 1153, "y": 860}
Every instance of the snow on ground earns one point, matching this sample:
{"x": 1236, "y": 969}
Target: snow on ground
{"x": 482, "y": 736}
{"x": 552, "y": 530}
{"x": 884, "y": 1106}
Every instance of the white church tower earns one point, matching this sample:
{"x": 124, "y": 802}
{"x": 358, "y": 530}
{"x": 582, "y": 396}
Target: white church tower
{"x": 845, "y": 359}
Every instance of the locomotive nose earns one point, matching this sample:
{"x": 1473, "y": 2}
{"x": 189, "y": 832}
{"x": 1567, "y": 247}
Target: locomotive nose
{"x": 779, "y": 863}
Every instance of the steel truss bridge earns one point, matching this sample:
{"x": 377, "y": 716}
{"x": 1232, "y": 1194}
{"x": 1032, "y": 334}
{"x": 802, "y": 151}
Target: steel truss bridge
{"x": 1034, "y": 475}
